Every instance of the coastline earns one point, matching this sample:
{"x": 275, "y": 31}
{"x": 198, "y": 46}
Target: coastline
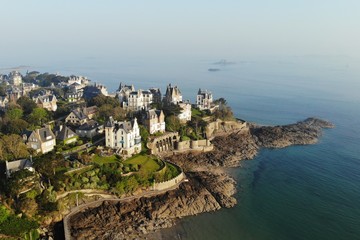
{"x": 206, "y": 173}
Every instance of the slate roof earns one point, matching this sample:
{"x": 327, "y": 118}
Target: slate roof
{"x": 65, "y": 133}
{"x": 90, "y": 125}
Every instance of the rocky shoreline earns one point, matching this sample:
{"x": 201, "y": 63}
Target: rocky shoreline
{"x": 208, "y": 189}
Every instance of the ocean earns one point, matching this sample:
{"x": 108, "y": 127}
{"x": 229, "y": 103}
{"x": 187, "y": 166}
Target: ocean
{"x": 300, "y": 192}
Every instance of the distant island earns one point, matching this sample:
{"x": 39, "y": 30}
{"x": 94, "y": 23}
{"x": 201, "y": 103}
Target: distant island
{"x": 224, "y": 62}
{"x": 213, "y": 69}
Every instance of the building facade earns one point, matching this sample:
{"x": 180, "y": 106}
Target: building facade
{"x": 185, "y": 114}
{"x": 172, "y": 95}
{"x": 42, "y": 140}
{"x": 155, "y": 121}
{"x": 123, "y": 136}
{"x": 204, "y": 99}
{"x": 15, "y": 78}
{"x": 139, "y": 100}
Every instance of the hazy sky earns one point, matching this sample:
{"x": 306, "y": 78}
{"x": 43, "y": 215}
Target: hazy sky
{"x": 109, "y": 28}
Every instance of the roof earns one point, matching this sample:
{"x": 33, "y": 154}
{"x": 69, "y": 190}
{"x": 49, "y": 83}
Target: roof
{"x": 18, "y": 165}
{"x": 153, "y": 113}
{"x": 65, "y": 133}
{"x": 45, "y": 134}
{"x": 90, "y": 125}
{"x": 79, "y": 114}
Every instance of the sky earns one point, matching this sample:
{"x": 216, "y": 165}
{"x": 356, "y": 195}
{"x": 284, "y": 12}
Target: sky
{"x": 42, "y": 29}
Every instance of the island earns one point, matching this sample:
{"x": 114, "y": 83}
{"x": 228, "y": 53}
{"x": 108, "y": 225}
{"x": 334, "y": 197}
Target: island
{"x": 84, "y": 163}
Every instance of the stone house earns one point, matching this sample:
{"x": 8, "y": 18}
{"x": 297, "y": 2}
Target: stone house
{"x": 123, "y": 94}
{"x": 123, "y": 136}
{"x": 65, "y": 135}
{"x": 80, "y": 116}
{"x": 42, "y": 140}
{"x": 17, "y": 165}
{"x": 89, "y": 129}
{"x": 155, "y": 121}
{"x": 156, "y": 95}
{"x": 46, "y": 100}
{"x": 15, "y": 78}
{"x": 172, "y": 95}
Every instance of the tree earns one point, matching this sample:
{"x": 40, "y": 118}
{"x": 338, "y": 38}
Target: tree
{"x": 12, "y": 147}
{"x": 14, "y": 113}
{"x": 144, "y": 133}
{"x": 16, "y": 126}
{"x": 26, "y": 104}
{"x": 172, "y": 123}
{"x": 38, "y": 116}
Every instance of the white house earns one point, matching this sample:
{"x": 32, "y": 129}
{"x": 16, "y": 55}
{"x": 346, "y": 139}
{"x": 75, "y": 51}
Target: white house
{"x": 155, "y": 121}
{"x": 15, "y": 78}
{"x": 123, "y": 136}
{"x": 204, "y": 99}
{"x": 185, "y": 114}
{"x": 139, "y": 100}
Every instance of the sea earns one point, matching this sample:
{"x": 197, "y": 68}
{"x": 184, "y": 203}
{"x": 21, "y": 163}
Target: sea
{"x": 300, "y": 192}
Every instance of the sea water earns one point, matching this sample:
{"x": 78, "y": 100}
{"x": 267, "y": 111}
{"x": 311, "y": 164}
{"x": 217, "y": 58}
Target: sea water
{"x": 301, "y": 192}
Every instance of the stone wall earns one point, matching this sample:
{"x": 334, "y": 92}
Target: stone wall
{"x": 183, "y": 145}
{"x": 168, "y": 184}
{"x": 165, "y": 142}
{"x": 220, "y": 126}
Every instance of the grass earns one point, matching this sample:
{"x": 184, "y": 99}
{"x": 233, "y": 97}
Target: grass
{"x": 147, "y": 163}
{"x": 103, "y": 160}
{"x": 195, "y": 112}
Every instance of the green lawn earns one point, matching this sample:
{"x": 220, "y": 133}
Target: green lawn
{"x": 195, "y": 112}
{"x": 102, "y": 160}
{"x": 147, "y": 163}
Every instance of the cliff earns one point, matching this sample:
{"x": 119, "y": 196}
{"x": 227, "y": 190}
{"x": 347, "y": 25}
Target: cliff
{"x": 207, "y": 189}
{"x": 204, "y": 192}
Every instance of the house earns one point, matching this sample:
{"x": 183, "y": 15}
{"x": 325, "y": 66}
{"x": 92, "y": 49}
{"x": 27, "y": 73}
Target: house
{"x": 65, "y": 134}
{"x": 42, "y": 140}
{"x": 47, "y": 100}
{"x": 89, "y": 129}
{"x": 172, "y": 95}
{"x": 15, "y": 78}
{"x": 80, "y": 116}
{"x": 156, "y": 95}
{"x": 91, "y": 91}
{"x": 17, "y": 165}
{"x": 139, "y": 100}
{"x": 155, "y": 121}
{"x": 73, "y": 94}
{"x": 185, "y": 113}
{"x": 123, "y": 93}
{"x": 123, "y": 136}
{"x": 3, "y": 102}
{"x": 80, "y": 80}
{"x": 204, "y": 99}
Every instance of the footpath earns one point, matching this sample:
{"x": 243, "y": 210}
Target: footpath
{"x": 84, "y": 207}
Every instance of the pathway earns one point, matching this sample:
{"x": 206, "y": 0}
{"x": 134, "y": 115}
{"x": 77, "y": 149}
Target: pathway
{"x": 86, "y": 206}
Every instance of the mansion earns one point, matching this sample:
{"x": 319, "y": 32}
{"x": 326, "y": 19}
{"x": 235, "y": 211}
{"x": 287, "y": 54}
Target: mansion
{"x": 123, "y": 136}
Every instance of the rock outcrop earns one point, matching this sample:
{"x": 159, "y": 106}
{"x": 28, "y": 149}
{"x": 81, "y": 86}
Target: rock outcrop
{"x": 204, "y": 192}
{"x": 301, "y": 133}
{"x": 207, "y": 189}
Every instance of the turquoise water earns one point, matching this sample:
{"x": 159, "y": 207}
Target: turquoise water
{"x": 301, "y": 192}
